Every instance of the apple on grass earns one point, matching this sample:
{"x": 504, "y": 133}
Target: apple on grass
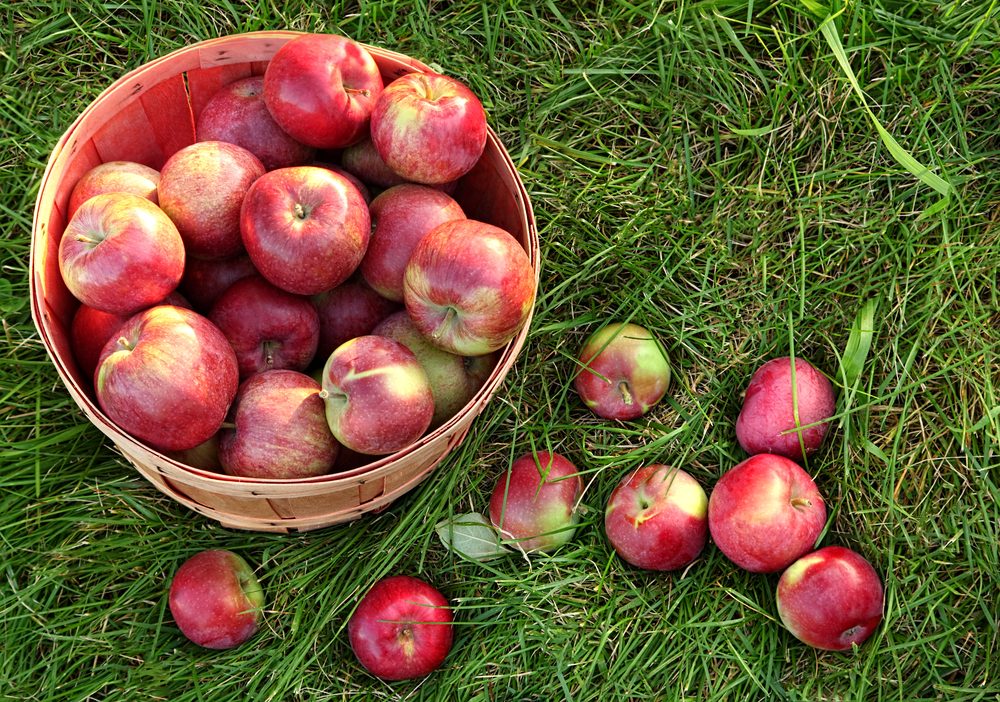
{"x": 428, "y": 128}
{"x": 321, "y": 88}
{"x": 267, "y": 327}
{"x": 202, "y": 187}
{"x": 401, "y": 216}
{"x": 278, "y": 429}
{"x": 830, "y": 599}
{"x": 216, "y": 599}
{"x": 783, "y": 416}
{"x": 624, "y": 371}
{"x": 656, "y": 518}
{"x": 347, "y": 311}
{"x": 167, "y": 378}
{"x": 765, "y": 512}
{"x": 120, "y": 253}
{"x": 378, "y": 398}
{"x": 236, "y": 113}
{"x": 305, "y": 228}
{"x": 534, "y": 504}
{"x": 115, "y": 177}
{"x": 469, "y": 287}
{"x": 401, "y": 629}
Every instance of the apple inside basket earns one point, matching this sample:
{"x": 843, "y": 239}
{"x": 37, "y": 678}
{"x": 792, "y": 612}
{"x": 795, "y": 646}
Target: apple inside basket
{"x": 146, "y": 116}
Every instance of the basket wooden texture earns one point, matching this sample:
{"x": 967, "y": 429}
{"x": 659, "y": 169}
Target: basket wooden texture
{"x": 147, "y": 115}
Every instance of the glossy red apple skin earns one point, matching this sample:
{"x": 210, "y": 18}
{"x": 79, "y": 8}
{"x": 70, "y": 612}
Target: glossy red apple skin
{"x": 454, "y": 379}
{"x": 534, "y": 504}
{"x": 401, "y": 629}
{"x": 216, "y": 599}
{"x": 767, "y": 421}
{"x": 267, "y": 327}
{"x": 428, "y": 128}
{"x": 623, "y": 371}
{"x": 120, "y": 253}
{"x": 236, "y": 113}
{"x": 201, "y": 189}
{"x": 363, "y": 160}
{"x": 378, "y": 398}
{"x": 657, "y": 518}
{"x": 831, "y": 599}
{"x": 115, "y": 177}
{"x": 765, "y": 512}
{"x": 167, "y": 378}
{"x": 205, "y": 280}
{"x": 355, "y": 181}
{"x": 350, "y": 310}
{"x": 280, "y": 429}
{"x": 469, "y": 287}
{"x": 305, "y": 228}
{"x": 401, "y": 216}
{"x": 321, "y": 88}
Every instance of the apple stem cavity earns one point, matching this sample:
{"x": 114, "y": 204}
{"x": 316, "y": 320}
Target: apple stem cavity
{"x": 801, "y": 502}
{"x": 300, "y": 211}
{"x": 125, "y": 343}
{"x": 84, "y": 239}
{"x": 268, "y": 347}
{"x": 626, "y": 393}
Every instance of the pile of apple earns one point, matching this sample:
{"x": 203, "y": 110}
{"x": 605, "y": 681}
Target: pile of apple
{"x": 250, "y": 307}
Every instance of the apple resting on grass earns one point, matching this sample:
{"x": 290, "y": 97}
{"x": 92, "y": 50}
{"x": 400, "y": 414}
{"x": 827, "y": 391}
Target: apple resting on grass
{"x": 306, "y": 228}
{"x": 469, "y": 287}
{"x": 402, "y": 628}
{"x": 347, "y": 311}
{"x": 765, "y": 512}
{"x": 167, "y": 378}
{"x": 236, "y": 113}
{"x": 454, "y": 379}
{"x": 657, "y": 518}
{"x": 624, "y": 371}
{"x": 202, "y": 187}
{"x": 830, "y": 599}
{"x": 267, "y": 327}
{"x": 774, "y": 407}
{"x": 378, "y": 398}
{"x": 216, "y": 600}
{"x": 120, "y": 253}
{"x": 115, "y": 177}
{"x": 279, "y": 429}
{"x": 534, "y": 504}
{"x": 428, "y": 128}
{"x": 401, "y": 216}
{"x": 321, "y": 88}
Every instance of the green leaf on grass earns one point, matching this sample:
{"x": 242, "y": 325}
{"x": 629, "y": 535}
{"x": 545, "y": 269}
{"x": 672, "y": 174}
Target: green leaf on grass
{"x": 858, "y": 344}
{"x": 471, "y": 535}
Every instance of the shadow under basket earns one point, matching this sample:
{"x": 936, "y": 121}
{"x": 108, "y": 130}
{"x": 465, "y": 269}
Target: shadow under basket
{"x": 146, "y": 116}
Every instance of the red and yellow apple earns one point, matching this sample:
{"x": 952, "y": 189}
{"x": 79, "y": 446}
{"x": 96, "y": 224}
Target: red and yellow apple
{"x": 347, "y": 311}
{"x": 115, "y": 177}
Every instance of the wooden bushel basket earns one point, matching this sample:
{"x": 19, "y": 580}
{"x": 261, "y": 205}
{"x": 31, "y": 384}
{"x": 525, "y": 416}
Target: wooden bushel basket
{"x": 146, "y": 116}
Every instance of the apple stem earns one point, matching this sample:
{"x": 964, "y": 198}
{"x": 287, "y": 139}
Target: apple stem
{"x": 228, "y": 425}
{"x": 300, "y": 211}
{"x": 269, "y": 353}
{"x": 625, "y": 393}
{"x": 800, "y": 502}
{"x": 445, "y": 323}
{"x": 357, "y": 91}
{"x": 125, "y": 343}
{"x": 84, "y": 239}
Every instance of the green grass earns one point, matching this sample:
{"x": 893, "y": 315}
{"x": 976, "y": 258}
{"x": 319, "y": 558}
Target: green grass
{"x": 705, "y": 169}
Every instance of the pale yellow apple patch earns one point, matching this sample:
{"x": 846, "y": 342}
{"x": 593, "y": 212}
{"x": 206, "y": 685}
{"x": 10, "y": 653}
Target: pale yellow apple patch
{"x": 769, "y": 502}
{"x": 689, "y": 497}
{"x": 405, "y": 381}
{"x": 793, "y": 574}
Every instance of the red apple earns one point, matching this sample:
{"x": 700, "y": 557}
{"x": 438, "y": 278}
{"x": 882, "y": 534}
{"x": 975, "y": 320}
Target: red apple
{"x": 623, "y": 371}
{"x": 202, "y": 187}
{"x": 306, "y": 228}
{"x": 355, "y": 181}
{"x": 216, "y": 600}
{"x": 428, "y": 128}
{"x": 656, "y": 518}
{"x": 469, "y": 287}
{"x": 830, "y": 599}
{"x": 279, "y": 429}
{"x": 167, "y": 378}
{"x": 115, "y": 177}
{"x": 321, "y": 88}
{"x": 454, "y": 379}
{"x": 534, "y": 504}
{"x": 765, "y": 512}
{"x": 777, "y": 411}
{"x": 378, "y": 398}
{"x": 401, "y": 216}
{"x": 401, "y": 629}
{"x": 205, "y": 280}
{"x": 268, "y": 328}
{"x": 347, "y": 311}
{"x": 236, "y": 113}
{"x": 120, "y": 253}
{"x": 363, "y": 160}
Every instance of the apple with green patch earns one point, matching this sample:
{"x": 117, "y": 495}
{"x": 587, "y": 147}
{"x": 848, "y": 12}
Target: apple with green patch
{"x": 765, "y": 512}
{"x": 656, "y": 518}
